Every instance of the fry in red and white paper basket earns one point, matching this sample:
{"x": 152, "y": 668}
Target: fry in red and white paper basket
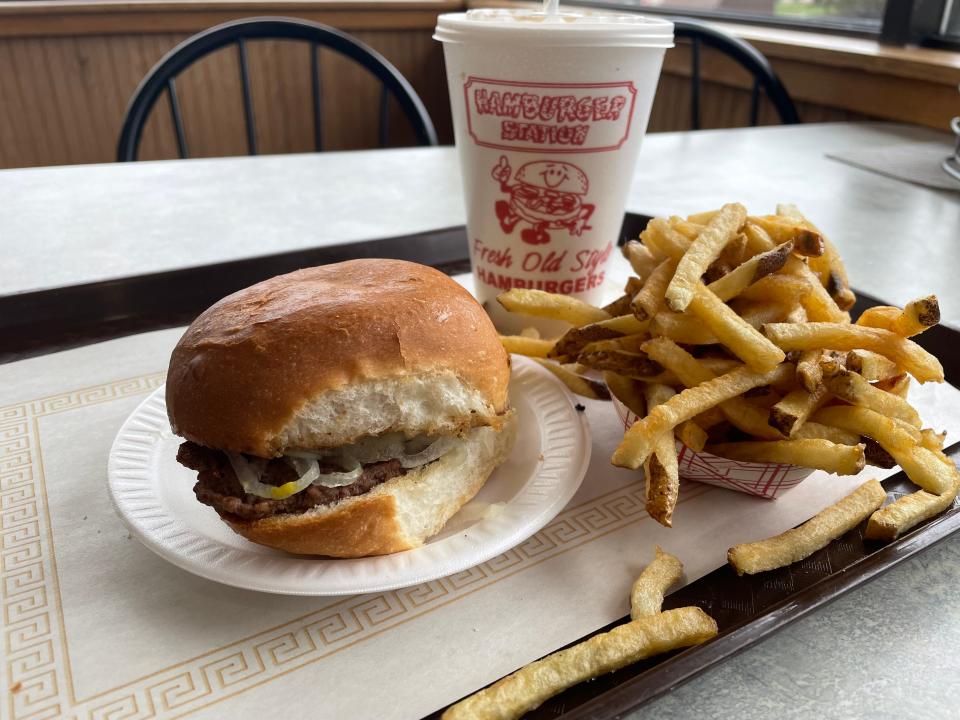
{"x": 744, "y": 318}
{"x": 651, "y": 632}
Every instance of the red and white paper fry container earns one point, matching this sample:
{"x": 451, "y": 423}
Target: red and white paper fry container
{"x": 761, "y": 479}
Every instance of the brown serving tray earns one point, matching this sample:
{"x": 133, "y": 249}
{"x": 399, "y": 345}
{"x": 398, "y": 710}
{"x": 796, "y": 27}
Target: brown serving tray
{"x": 747, "y": 609}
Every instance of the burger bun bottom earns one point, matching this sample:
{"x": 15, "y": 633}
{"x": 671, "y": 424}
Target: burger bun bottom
{"x": 396, "y": 515}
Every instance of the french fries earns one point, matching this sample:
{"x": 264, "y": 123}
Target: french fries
{"x": 855, "y": 390}
{"x": 721, "y": 228}
{"x": 649, "y": 299}
{"x": 650, "y": 632}
{"x": 661, "y": 471}
{"x": 547, "y": 305}
{"x": 839, "y": 336}
{"x": 577, "y": 384}
{"x": 920, "y": 464}
{"x": 734, "y": 337}
{"x": 646, "y": 596}
{"x": 521, "y": 345}
{"x": 638, "y": 441}
{"x": 741, "y": 338}
{"x": 691, "y": 372}
{"x": 816, "y": 533}
{"x": 902, "y": 514}
{"x": 916, "y": 316}
{"x": 822, "y": 454}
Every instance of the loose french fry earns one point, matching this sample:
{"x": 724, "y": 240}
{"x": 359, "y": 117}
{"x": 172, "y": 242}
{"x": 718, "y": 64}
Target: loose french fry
{"x": 920, "y": 464}
{"x": 801, "y": 542}
{"x": 627, "y": 391}
{"x": 692, "y": 435}
{"x": 640, "y": 258}
{"x": 932, "y": 440}
{"x": 792, "y": 412}
{"x": 742, "y": 339}
{"x": 620, "y": 306}
{"x": 816, "y": 431}
{"x": 759, "y": 314}
{"x": 855, "y": 390}
{"x": 693, "y": 372}
{"x": 809, "y": 373}
{"x": 663, "y": 240}
{"x": 649, "y": 299}
{"x": 786, "y": 290}
{"x": 632, "y": 365}
{"x": 749, "y": 272}
{"x": 646, "y": 596}
{"x": 575, "y": 383}
{"x": 704, "y": 250}
{"x": 531, "y": 347}
{"x": 625, "y": 325}
{"x": 661, "y": 472}
{"x": 530, "y": 332}
{"x": 917, "y": 316}
{"x": 898, "y": 385}
{"x": 891, "y": 521}
{"x": 548, "y": 305}
{"x": 838, "y": 336}
{"x": 816, "y": 301}
{"x": 531, "y": 686}
{"x": 822, "y": 454}
{"x": 682, "y": 327}
{"x": 758, "y": 240}
{"x": 829, "y": 266}
{"x": 637, "y": 443}
{"x": 688, "y": 229}
{"x": 808, "y": 242}
{"x": 876, "y": 455}
{"x": 797, "y": 314}
{"x": 626, "y": 343}
{"x": 872, "y": 366}
{"x": 572, "y": 342}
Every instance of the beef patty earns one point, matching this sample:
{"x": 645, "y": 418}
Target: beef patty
{"x": 218, "y": 487}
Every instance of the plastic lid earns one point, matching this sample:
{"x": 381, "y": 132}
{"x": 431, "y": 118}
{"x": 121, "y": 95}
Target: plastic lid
{"x": 566, "y": 29}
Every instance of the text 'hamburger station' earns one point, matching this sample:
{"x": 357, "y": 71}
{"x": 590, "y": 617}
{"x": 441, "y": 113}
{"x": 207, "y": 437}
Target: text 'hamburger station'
{"x": 553, "y": 109}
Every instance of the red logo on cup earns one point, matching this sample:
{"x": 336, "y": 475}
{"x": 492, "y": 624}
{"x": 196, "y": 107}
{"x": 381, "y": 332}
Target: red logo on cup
{"x": 546, "y": 194}
{"x": 559, "y": 117}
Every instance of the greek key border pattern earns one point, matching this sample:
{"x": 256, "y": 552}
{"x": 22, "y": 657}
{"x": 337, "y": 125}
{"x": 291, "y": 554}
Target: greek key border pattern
{"x": 35, "y": 654}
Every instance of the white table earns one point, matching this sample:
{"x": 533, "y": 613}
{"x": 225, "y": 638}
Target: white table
{"x": 79, "y": 224}
{"x": 75, "y": 225}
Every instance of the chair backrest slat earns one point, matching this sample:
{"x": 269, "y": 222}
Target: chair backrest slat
{"x": 317, "y": 96}
{"x": 755, "y": 103}
{"x": 384, "y": 115}
{"x": 177, "y": 119}
{"x": 765, "y": 80}
{"x": 247, "y": 97}
{"x": 695, "y": 83}
{"x": 238, "y": 32}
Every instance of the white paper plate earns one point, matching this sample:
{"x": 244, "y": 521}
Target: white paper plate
{"x": 153, "y": 494}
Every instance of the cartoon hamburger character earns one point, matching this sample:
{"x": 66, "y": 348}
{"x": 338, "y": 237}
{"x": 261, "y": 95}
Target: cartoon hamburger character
{"x": 546, "y": 194}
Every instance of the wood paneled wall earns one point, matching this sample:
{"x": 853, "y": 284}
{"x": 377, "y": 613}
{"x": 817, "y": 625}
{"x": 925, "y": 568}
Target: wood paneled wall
{"x": 65, "y": 81}
{"x": 62, "y": 98}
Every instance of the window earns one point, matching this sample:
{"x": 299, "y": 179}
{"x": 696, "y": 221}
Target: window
{"x": 951, "y": 20}
{"x": 867, "y": 13}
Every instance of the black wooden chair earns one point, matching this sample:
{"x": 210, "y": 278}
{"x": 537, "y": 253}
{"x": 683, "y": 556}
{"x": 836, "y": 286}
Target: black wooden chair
{"x": 751, "y": 59}
{"x": 162, "y": 78}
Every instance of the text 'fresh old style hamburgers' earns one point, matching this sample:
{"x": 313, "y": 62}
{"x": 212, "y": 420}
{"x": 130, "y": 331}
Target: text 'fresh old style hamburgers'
{"x": 343, "y": 410}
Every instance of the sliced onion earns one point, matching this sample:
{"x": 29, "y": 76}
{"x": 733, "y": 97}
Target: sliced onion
{"x": 249, "y": 476}
{"x": 339, "y": 479}
{"x": 439, "y": 447}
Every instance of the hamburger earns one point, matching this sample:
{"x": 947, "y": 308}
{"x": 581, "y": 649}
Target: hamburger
{"x": 345, "y": 410}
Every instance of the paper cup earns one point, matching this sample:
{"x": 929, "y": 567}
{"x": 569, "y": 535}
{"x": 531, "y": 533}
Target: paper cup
{"x": 761, "y": 479}
{"x": 548, "y": 113}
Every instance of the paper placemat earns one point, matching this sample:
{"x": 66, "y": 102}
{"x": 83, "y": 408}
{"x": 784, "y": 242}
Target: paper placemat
{"x": 919, "y": 163}
{"x": 95, "y": 625}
